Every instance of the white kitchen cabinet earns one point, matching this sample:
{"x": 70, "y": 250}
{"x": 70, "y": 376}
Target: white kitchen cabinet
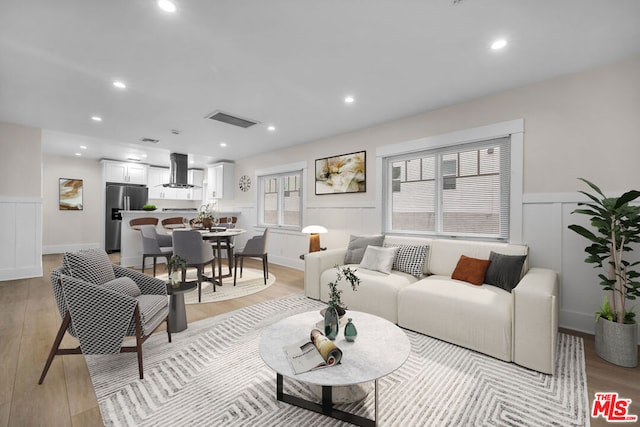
{"x": 125, "y": 173}
{"x": 157, "y": 177}
{"x": 196, "y": 177}
{"x": 220, "y": 181}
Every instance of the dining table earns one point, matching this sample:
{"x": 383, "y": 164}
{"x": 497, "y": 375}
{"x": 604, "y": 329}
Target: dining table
{"x": 219, "y": 235}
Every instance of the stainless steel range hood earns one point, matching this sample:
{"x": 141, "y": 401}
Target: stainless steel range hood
{"x": 178, "y": 171}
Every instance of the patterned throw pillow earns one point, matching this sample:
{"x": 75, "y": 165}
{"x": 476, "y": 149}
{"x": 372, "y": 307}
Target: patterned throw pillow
{"x": 410, "y": 259}
{"x": 470, "y": 270}
{"x": 123, "y": 285}
{"x": 90, "y": 265}
{"x": 378, "y": 259}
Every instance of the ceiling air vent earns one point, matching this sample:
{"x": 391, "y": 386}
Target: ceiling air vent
{"x": 231, "y": 119}
{"x": 151, "y": 140}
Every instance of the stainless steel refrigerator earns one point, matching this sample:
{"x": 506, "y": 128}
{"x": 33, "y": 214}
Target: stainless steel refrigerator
{"x": 119, "y": 198}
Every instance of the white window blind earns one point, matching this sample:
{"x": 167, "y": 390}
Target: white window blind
{"x": 280, "y": 199}
{"x": 461, "y": 190}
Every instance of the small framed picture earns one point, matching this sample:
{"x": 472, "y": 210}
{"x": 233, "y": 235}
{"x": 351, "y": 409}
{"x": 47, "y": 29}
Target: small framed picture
{"x": 342, "y": 174}
{"x": 70, "y": 194}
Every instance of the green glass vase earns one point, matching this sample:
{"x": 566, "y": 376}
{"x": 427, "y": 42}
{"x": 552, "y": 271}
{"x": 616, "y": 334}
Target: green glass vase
{"x": 350, "y": 331}
{"x": 331, "y": 322}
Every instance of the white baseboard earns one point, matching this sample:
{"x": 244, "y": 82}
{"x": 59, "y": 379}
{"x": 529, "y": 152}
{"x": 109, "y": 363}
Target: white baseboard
{"x": 21, "y": 273}
{"x": 60, "y": 249}
{"x": 581, "y": 322}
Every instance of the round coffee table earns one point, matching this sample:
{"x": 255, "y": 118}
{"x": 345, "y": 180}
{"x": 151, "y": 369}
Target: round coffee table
{"x": 177, "y": 312}
{"x": 380, "y": 349}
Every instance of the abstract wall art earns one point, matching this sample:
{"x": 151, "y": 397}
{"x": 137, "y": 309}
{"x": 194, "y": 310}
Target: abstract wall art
{"x": 70, "y": 191}
{"x": 342, "y": 174}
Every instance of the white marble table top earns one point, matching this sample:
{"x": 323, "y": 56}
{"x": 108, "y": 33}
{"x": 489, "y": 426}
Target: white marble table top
{"x": 380, "y": 349}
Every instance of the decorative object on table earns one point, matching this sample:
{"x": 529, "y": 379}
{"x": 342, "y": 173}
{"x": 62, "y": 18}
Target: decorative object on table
{"x": 342, "y": 174}
{"x": 314, "y": 232}
{"x": 149, "y": 208}
{"x": 206, "y": 215}
{"x": 174, "y": 268}
{"x": 331, "y": 321}
{"x": 350, "y": 331}
{"x": 70, "y": 194}
{"x": 244, "y": 183}
{"x": 617, "y": 229}
{"x": 335, "y": 294}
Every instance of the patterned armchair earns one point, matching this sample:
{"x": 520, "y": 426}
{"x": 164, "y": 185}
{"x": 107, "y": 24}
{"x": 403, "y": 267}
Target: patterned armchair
{"x": 100, "y": 303}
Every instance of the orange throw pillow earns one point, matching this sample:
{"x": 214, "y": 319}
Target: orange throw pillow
{"x": 471, "y": 270}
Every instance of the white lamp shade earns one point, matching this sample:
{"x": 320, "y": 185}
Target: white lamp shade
{"x": 314, "y": 229}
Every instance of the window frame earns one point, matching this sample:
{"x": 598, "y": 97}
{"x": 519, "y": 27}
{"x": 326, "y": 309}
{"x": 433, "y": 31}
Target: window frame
{"x": 513, "y": 129}
{"x": 279, "y": 172}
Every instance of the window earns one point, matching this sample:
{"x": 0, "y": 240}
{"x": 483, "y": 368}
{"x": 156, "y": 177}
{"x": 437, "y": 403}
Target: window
{"x": 460, "y": 190}
{"x": 280, "y": 199}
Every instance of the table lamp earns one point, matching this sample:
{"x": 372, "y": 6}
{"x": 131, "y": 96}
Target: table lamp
{"x": 314, "y": 232}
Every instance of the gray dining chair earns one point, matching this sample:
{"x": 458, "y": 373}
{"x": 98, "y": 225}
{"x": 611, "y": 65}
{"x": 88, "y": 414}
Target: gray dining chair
{"x": 256, "y": 247}
{"x": 154, "y": 245}
{"x": 188, "y": 244}
{"x": 227, "y": 245}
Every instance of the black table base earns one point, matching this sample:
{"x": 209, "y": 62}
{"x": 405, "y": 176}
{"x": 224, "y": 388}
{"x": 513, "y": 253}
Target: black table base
{"x": 326, "y": 407}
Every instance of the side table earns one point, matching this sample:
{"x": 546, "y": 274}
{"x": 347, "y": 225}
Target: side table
{"x": 177, "y": 312}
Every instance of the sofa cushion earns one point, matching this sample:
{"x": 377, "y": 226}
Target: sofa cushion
{"x": 445, "y": 253}
{"x": 505, "y": 271}
{"x": 123, "y": 285}
{"x": 410, "y": 258}
{"x": 357, "y": 246}
{"x": 90, "y": 265}
{"x": 378, "y": 259}
{"x": 471, "y": 270}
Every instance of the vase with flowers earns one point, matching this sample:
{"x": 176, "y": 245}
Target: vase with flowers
{"x": 206, "y": 215}
{"x": 335, "y": 294}
{"x": 175, "y": 265}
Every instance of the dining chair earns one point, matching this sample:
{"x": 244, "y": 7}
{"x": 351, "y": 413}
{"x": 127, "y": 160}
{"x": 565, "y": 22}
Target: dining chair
{"x": 173, "y": 223}
{"x": 154, "y": 245}
{"x": 256, "y": 247}
{"x": 189, "y": 245}
{"x": 228, "y": 244}
{"x": 136, "y": 223}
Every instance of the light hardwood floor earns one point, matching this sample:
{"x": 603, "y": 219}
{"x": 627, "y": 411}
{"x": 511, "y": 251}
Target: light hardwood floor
{"x": 30, "y": 321}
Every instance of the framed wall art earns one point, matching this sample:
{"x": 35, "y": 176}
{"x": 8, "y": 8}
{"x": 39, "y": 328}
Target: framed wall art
{"x": 342, "y": 174}
{"x": 70, "y": 194}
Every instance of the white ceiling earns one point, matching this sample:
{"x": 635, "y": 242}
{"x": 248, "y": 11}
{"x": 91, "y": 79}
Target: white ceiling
{"x": 289, "y": 63}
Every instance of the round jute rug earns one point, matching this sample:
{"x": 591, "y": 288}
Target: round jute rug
{"x": 251, "y": 282}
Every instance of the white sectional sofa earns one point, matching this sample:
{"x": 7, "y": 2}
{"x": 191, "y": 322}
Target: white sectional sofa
{"x": 518, "y": 326}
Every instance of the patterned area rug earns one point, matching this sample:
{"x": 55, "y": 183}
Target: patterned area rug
{"x": 252, "y": 281}
{"x": 212, "y": 375}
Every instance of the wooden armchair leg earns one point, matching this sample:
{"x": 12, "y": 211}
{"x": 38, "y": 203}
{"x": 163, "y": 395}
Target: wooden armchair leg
{"x": 139, "y": 340}
{"x": 56, "y": 345}
{"x": 168, "y": 328}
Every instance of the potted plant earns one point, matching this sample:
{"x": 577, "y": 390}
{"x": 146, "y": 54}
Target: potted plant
{"x": 616, "y": 227}
{"x": 335, "y": 294}
{"x": 175, "y": 265}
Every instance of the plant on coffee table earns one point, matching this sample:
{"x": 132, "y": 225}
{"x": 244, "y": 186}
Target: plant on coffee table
{"x": 335, "y": 294}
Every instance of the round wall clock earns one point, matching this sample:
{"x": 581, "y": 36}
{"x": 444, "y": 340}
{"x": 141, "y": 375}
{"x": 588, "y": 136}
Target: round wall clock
{"x": 245, "y": 183}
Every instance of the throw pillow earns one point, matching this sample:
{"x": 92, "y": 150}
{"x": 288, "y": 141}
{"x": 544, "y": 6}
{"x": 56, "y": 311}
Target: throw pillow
{"x": 90, "y": 265}
{"x": 470, "y": 270}
{"x": 123, "y": 285}
{"x": 505, "y": 271}
{"x": 378, "y": 259}
{"x": 410, "y": 258}
{"x": 357, "y": 246}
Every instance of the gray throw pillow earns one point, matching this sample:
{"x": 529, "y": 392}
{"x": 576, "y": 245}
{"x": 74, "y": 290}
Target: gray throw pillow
{"x": 505, "y": 271}
{"x": 90, "y": 265}
{"x": 357, "y": 246}
{"x": 123, "y": 285}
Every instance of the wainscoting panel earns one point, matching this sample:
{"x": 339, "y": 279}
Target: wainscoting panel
{"x": 20, "y": 238}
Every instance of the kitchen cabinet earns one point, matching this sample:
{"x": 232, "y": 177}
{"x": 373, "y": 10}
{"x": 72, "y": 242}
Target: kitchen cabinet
{"x": 125, "y": 173}
{"x": 220, "y": 181}
{"x": 159, "y": 176}
{"x": 196, "y": 177}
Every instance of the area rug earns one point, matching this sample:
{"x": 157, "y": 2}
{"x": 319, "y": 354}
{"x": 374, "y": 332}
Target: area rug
{"x": 252, "y": 281}
{"x": 212, "y": 375}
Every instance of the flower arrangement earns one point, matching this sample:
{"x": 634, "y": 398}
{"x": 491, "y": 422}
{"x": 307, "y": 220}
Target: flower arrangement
{"x": 174, "y": 267}
{"x": 206, "y": 215}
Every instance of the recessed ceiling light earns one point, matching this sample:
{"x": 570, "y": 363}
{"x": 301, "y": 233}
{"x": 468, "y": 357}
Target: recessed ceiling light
{"x": 96, "y": 118}
{"x": 144, "y": 156}
{"x": 349, "y": 100}
{"x": 191, "y": 162}
{"x": 83, "y": 147}
{"x": 78, "y": 154}
{"x": 271, "y": 128}
{"x": 498, "y": 44}
{"x": 119, "y": 84}
{"x": 223, "y": 144}
{"x": 167, "y": 6}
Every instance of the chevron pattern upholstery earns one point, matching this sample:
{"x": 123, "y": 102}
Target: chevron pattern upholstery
{"x": 101, "y": 303}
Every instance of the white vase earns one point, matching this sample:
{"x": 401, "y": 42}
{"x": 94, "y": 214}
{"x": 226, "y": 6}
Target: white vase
{"x": 617, "y": 343}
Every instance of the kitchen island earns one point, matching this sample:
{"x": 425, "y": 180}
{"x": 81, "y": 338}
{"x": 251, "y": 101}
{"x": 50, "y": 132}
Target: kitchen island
{"x": 131, "y": 241}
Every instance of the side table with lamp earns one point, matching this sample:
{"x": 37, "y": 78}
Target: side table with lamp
{"x": 314, "y": 232}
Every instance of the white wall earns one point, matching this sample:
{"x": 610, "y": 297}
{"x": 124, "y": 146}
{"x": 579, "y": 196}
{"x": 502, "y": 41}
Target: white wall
{"x": 20, "y": 202}
{"x": 580, "y": 125}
